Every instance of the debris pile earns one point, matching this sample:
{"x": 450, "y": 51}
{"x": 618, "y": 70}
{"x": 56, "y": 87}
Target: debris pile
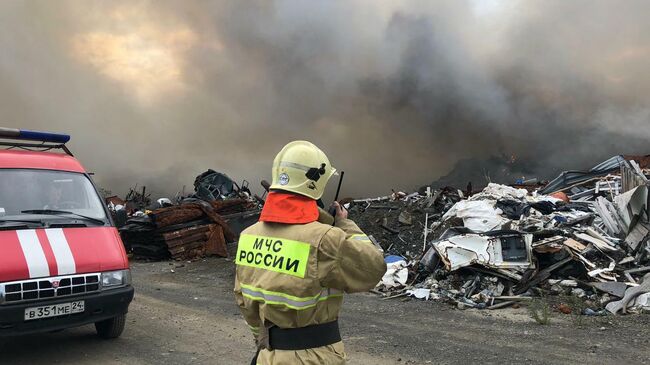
{"x": 137, "y": 200}
{"x": 584, "y": 235}
{"x": 397, "y": 220}
{"x": 186, "y": 231}
{"x": 196, "y": 226}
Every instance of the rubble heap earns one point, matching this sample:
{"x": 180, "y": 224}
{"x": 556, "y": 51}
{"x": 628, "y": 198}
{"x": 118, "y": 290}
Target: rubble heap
{"x": 587, "y": 236}
{"x": 397, "y": 220}
{"x": 186, "y": 231}
{"x": 196, "y": 226}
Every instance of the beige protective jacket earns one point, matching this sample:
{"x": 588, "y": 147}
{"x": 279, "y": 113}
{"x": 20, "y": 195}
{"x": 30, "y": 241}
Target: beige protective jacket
{"x": 294, "y": 275}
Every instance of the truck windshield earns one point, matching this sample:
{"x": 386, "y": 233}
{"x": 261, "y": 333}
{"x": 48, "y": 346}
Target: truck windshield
{"x": 28, "y": 192}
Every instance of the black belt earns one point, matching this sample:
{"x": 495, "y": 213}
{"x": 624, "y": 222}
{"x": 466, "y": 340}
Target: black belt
{"x": 305, "y": 337}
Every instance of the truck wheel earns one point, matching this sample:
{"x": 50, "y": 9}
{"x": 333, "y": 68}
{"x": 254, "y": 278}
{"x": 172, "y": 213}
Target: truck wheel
{"x": 111, "y": 328}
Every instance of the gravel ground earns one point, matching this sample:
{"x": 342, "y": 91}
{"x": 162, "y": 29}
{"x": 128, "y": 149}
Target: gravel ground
{"x": 184, "y": 313}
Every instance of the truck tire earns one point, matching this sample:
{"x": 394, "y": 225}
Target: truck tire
{"x": 111, "y": 328}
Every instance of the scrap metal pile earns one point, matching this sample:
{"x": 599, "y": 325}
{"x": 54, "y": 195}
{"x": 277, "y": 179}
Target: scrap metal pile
{"x": 585, "y": 235}
{"x": 197, "y": 226}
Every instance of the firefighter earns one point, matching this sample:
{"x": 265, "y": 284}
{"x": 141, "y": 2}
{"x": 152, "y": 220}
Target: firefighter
{"x": 292, "y": 270}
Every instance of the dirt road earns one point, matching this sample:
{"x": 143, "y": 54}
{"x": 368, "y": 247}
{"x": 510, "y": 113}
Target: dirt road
{"x": 188, "y": 316}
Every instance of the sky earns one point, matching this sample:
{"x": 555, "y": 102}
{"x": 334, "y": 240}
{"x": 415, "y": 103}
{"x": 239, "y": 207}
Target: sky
{"x": 395, "y": 92}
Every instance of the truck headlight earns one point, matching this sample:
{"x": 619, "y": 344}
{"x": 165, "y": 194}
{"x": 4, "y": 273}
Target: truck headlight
{"x": 116, "y": 279}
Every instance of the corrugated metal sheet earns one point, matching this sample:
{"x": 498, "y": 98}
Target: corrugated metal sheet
{"x": 608, "y": 165}
{"x": 569, "y": 178}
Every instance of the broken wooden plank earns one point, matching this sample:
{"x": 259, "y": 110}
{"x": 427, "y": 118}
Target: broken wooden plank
{"x": 574, "y": 245}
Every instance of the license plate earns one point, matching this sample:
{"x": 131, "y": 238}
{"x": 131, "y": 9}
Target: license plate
{"x": 54, "y": 310}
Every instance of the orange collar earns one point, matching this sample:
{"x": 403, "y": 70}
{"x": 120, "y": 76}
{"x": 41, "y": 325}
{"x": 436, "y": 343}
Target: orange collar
{"x": 289, "y": 208}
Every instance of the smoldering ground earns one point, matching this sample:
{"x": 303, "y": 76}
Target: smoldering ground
{"x": 155, "y": 92}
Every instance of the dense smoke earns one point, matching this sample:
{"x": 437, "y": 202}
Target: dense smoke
{"x": 155, "y": 92}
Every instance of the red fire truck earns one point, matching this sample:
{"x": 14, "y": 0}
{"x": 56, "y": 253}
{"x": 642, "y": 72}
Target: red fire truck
{"x": 62, "y": 262}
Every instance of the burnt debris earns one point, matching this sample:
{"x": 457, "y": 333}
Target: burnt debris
{"x": 190, "y": 227}
{"x": 584, "y": 235}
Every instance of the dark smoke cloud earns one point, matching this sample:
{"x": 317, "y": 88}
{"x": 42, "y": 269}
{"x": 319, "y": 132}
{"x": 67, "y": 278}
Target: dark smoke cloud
{"x": 155, "y": 92}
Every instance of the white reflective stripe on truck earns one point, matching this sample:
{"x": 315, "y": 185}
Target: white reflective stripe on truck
{"x": 64, "y": 259}
{"x": 34, "y": 255}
